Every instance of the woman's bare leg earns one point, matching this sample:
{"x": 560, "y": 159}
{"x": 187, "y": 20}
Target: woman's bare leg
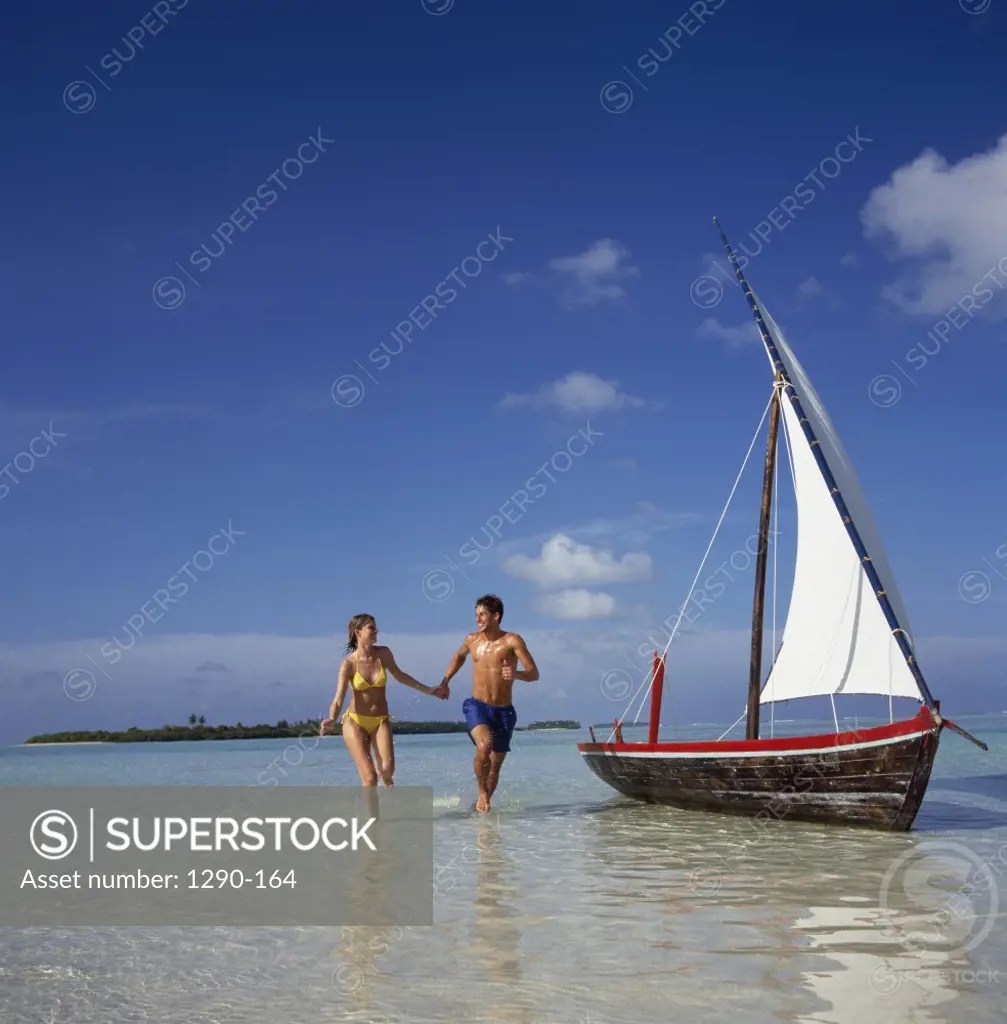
{"x": 359, "y": 743}
{"x": 386, "y": 753}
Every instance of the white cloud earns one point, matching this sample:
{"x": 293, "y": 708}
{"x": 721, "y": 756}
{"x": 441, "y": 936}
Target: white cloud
{"x": 577, "y": 392}
{"x": 849, "y": 260}
{"x": 149, "y": 686}
{"x": 270, "y": 677}
{"x": 274, "y": 677}
{"x": 811, "y": 289}
{"x": 595, "y": 275}
{"x": 576, "y": 604}
{"x": 637, "y": 528}
{"x": 736, "y": 337}
{"x": 564, "y": 562}
{"x": 513, "y": 277}
{"x": 950, "y": 219}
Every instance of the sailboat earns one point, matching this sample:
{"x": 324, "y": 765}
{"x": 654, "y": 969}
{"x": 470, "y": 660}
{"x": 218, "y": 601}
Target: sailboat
{"x": 846, "y": 633}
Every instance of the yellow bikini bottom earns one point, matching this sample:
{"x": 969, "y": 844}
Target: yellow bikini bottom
{"x": 369, "y": 723}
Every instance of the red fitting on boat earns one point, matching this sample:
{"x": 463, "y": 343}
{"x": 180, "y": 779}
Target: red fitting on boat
{"x": 655, "y": 698}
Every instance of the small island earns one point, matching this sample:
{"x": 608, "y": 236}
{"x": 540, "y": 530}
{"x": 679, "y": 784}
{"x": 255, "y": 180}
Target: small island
{"x": 197, "y": 729}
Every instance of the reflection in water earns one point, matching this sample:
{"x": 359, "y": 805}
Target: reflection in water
{"x": 514, "y": 979}
{"x": 843, "y": 923}
{"x": 367, "y": 878}
{"x": 360, "y": 977}
{"x": 496, "y": 933}
{"x": 497, "y": 938}
{"x": 382, "y": 885}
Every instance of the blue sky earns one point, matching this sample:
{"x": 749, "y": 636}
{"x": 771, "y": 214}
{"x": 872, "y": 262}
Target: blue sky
{"x": 558, "y": 169}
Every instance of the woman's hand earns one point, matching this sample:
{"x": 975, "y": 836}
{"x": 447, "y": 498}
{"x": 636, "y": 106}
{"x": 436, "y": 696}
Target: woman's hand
{"x": 327, "y": 724}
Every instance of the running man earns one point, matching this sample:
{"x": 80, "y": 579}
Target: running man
{"x": 489, "y": 713}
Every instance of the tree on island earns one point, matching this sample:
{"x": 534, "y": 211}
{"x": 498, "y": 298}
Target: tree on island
{"x": 202, "y": 720}
{"x": 192, "y": 719}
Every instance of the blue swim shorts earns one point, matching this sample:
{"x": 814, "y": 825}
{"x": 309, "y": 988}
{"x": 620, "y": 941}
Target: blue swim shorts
{"x": 501, "y": 721}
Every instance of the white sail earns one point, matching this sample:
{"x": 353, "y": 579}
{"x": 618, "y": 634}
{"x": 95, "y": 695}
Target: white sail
{"x": 837, "y": 639}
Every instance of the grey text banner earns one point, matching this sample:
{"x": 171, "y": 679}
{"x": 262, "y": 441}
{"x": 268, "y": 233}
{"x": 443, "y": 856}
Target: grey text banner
{"x": 191, "y": 855}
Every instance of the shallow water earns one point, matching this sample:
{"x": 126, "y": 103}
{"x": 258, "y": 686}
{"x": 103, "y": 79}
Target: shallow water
{"x": 569, "y": 903}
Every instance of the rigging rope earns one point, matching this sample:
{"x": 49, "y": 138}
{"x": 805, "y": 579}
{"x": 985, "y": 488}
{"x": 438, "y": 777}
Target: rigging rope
{"x": 775, "y": 544}
{"x": 681, "y": 611}
{"x": 730, "y": 727}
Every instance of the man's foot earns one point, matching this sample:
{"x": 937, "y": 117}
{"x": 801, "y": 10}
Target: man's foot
{"x": 388, "y": 781}
{"x": 483, "y": 804}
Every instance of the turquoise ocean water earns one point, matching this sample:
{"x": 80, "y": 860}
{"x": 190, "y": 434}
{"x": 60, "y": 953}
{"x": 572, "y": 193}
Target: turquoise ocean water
{"x": 568, "y": 903}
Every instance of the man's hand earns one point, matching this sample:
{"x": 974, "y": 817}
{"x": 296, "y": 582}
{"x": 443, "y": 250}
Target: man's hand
{"x": 441, "y": 691}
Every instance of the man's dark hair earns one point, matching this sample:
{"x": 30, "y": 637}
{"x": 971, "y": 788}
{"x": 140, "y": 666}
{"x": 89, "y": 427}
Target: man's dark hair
{"x": 492, "y": 604}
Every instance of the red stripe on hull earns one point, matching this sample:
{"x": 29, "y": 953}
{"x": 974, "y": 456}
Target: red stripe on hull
{"x": 924, "y": 720}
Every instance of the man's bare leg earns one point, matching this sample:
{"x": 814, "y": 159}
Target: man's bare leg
{"x": 496, "y": 762}
{"x": 482, "y": 736}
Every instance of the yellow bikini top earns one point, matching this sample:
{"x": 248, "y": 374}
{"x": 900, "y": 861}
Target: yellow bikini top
{"x": 359, "y": 683}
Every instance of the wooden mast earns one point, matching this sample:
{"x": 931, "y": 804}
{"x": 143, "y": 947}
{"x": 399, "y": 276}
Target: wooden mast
{"x": 759, "y": 600}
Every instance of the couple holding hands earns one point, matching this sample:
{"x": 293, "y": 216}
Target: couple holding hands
{"x": 489, "y": 712}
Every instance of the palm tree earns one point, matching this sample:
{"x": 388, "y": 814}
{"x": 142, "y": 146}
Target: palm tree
{"x": 202, "y": 720}
{"x": 192, "y": 719}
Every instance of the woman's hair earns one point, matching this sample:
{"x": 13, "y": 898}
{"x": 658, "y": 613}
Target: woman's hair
{"x": 357, "y": 622}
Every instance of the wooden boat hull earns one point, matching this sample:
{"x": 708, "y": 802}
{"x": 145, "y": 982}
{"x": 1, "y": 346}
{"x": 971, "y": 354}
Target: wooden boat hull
{"x": 874, "y": 777}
